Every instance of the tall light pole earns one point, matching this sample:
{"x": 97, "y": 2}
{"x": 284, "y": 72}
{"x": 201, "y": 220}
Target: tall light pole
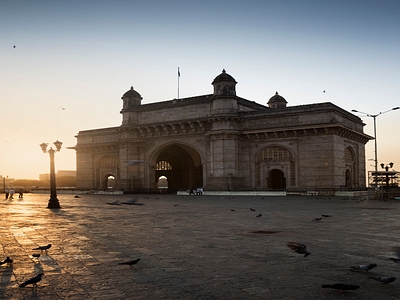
{"x": 53, "y": 201}
{"x": 375, "y": 138}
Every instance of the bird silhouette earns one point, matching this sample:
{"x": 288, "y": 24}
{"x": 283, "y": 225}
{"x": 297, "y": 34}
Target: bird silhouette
{"x": 14, "y": 46}
{"x": 259, "y": 216}
{"x": 7, "y": 261}
{"x": 36, "y": 255}
{"x": 298, "y": 248}
{"x": 384, "y": 279}
{"x": 317, "y": 219}
{"x": 130, "y": 263}
{"x": 43, "y": 248}
{"x": 252, "y": 209}
{"x": 341, "y": 286}
{"x": 33, "y": 281}
{"x": 326, "y": 216}
{"x": 363, "y": 267}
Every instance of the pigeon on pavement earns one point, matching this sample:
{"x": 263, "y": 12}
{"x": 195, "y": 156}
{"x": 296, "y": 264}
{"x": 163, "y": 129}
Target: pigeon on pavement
{"x": 397, "y": 258}
{"x": 317, "y": 219}
{"x": 363, "y": 267}
{"x": 36, "y": 255}
{"x": 43, "y": 248}
{"x": 33, "y": 280}
{"x": 384, "y": 279}
{"x": 130, "y": 263}
{"x": 259, "y": 216}
{"x": 7, "y": 261}
{"x": 252, "y": 209}
{"x": 341, "y": 286}
{"x": 326, "y": 216}
{"x": 298, "y": 248}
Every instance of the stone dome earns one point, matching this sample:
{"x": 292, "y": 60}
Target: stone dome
{"x": 131, "y": 94}
{"x": 277, "y": 101}
{"x": 224, "y": 77}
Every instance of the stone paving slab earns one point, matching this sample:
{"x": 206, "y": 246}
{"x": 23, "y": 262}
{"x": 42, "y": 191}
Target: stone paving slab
{"x": 197, "y": 247}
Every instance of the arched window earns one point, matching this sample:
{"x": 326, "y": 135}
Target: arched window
{"x": 274, "y": 153}
{"x": 163, "y": 165}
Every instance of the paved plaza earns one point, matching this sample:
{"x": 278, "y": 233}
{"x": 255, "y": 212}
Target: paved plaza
{"x": 198, "y": 247}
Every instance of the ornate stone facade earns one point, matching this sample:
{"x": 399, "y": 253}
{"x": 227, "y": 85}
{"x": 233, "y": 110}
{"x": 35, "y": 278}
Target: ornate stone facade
{"x": 224, "y": 142}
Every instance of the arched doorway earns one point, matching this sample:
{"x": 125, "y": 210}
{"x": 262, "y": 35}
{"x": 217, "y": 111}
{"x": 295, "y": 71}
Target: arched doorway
{"x": 162, "y": 184}
{"x": 273, "y": 163}
{"x": 276, "y": 180}
{"x": 110, "y": 184}
{"x": 107, "y": 173}
{"x": 181, "y": 164}
{"x": 350, "y": 165}
{"x": 349, "y": 183}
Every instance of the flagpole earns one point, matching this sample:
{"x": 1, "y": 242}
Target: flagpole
{"x": 179, "y": 75}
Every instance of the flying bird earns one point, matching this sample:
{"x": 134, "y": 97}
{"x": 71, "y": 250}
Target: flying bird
{"x": 43, "y": 248}
{"x": 7, "y": 261}
{"x": 363, "y": 267}
{"x": 384, "y": 279}
{"x": 341, "y": 287}
{"x": 14, "y": 46}
{"x": 130, "y": 263}
{"x": 33, "y": 281}
{"x": 298, "y": 248}
{"x": 134, "y": 162}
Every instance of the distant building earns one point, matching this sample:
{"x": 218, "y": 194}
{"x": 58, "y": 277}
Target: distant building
{"x": 60, "y": 173}
{"x": 221, "y": 141}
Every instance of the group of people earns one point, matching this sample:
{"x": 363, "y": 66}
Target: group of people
{"x": 10, "y": 194}
{"x": 196, "y": 191}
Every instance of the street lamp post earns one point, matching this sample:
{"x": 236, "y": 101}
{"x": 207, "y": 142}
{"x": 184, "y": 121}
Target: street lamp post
{"x": 53, "y": 201}
{"x": 376, "y": 140}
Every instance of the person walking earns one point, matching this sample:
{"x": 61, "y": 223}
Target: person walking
{"x": 11, "y": 193}
{"x": 7, "y": 193}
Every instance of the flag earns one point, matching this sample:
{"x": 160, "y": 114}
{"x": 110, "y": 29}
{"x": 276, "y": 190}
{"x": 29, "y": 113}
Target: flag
{"x": 179, "y": 73}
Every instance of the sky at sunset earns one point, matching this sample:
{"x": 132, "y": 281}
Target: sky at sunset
{"x": 73, "y": 60}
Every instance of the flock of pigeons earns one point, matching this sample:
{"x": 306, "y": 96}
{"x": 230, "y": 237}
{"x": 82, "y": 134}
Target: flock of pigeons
{"x": 302, "y": 249}
{"x": 34, "y": 280}
{"x": 296, "y": 247}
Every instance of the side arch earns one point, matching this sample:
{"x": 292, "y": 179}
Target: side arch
{"x": 275, "y": 168}
{"x": 106, "y": 166}
{"x": 350, "y": 168}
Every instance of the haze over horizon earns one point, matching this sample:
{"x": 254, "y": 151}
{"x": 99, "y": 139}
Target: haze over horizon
{"x": 73, "y": 60}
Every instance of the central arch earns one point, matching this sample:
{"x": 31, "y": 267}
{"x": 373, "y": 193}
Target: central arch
{"x": 181, "y": 164}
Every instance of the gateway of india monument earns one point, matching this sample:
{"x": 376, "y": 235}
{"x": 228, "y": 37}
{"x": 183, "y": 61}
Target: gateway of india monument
{"x": 223, "y": 142}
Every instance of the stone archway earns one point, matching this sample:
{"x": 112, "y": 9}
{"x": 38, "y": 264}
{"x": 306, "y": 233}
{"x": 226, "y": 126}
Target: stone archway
{"x": 181, "y": 164}
{"x": 350, "y": 165}
{"x": 276, "y": 179}
{"x": 110, "y": 182}
{"x": 107, "y": 167}
{"x": 349, "y": 183}
{"x": 277, "y": 165}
